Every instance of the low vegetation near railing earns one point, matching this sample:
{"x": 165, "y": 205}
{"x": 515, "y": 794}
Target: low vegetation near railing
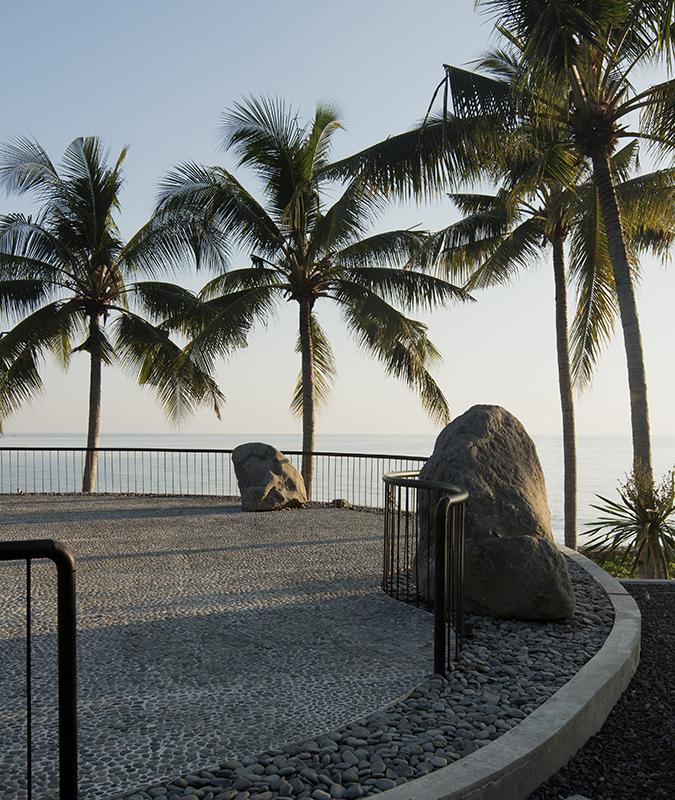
{"x": 423, "y": 557}
{"x": 355, "y": 477}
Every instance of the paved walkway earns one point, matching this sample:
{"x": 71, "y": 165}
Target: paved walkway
{"x": 204, "y": 633}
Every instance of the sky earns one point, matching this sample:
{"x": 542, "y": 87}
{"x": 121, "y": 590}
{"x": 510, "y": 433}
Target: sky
{"x": 157, "y": 75}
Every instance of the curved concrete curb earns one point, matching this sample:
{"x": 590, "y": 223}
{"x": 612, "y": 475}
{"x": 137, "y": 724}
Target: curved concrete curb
{"x": 515, "y": 764}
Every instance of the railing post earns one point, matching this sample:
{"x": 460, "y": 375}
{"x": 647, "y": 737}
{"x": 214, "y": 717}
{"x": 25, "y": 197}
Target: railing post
{"x": 441, "y": 586}
{"x": 67, "y": 663}
{"x": 64, "y": 561}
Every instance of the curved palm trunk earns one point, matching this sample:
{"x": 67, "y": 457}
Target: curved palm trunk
{"x": 307, "y": 393}
{"x": 637, "y": 381}
{"x": 566, "y": 396}
{"x": 93, "y": 428}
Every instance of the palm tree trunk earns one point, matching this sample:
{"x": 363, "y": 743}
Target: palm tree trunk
{"x": 93, "y": 428}
{"x": 307, "y": 393}
{"x": 637, "y": 381}
{"x": 566, "y": 397}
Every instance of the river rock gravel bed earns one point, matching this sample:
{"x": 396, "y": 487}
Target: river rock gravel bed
{"x": 505, "y": 671}
{"x": 633, "y": 755}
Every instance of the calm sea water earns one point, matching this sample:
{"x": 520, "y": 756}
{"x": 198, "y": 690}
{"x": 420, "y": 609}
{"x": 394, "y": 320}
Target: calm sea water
{"x": 602, "y": 460}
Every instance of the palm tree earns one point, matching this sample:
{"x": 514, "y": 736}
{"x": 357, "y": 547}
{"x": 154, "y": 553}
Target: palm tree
{"x": 576, "y": 63}
{"x": 505, "y": 233}
{"x": 306, "y": 251}
{"x": 66, "y": 273}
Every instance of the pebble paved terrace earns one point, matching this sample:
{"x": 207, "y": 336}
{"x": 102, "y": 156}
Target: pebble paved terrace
{"x": 204, "y": 632}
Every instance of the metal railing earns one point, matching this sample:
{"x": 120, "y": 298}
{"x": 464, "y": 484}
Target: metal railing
{"x": 64, "y": 560}
{"x": 356, "y": 477}
{"x": 423, "y": 558}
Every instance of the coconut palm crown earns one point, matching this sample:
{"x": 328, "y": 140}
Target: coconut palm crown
{"x": 304, "y": 250}
{"x": 576, "y": 60}
{"x": 67, "y": 284}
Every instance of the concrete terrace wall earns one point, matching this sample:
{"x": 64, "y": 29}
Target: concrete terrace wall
{"x": 515, "y": 764}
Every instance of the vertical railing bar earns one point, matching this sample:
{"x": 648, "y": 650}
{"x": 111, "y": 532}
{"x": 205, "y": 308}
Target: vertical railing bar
{"x": 407, "y": 534}
{"x": 398, "y": 543}
{"x": 440, "y": 608}
{"x": 29, "y": 690}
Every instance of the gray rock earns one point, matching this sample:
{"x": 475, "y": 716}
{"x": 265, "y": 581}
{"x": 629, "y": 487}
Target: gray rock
{"x": 512, "y": 568}
{"x": 341, "y": 502}
{"x": 267, "y": 480}
{"x": 521, "y": 577}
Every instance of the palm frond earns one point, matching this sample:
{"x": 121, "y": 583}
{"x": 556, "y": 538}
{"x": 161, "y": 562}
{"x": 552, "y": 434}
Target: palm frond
{"x": 226, "y": 321}
{"x": 24, "y": 347}
{"x": 402, "y": 248}
{"x": 265, "y": 135}
{"x": 518, "y": 250}
{"x": 347, "y": 219}
{"x": 29, "y": 249}
{"x": 458, "y": 249}
{"x": 20, "y": 383}
{"x": 172, "y": 242}
{"x": 411, "y": 290}
{"x": 215, "y": 199}
{"x": 176, "y": 307}
{"x": 648, "y": 212}
{"x": 475, "y": 95}
{"x": 427, "y": 160}
{"x": 25, "y": 167}
{"x": 236, "y": 279}
{"x": 658, "y": 115}
{"x": 399, "y": 343}
{"x": 327, "y": 121}
{"x": 148, "y": 352}
{"x": 597, "y": 309}
{"x": 21, "y": 296}
{"x": 324, "y": 369}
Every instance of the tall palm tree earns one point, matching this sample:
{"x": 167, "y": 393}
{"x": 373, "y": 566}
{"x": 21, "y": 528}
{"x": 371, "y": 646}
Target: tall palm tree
{"x": 575, "y": 65}
{"x": 66, "y": 274}
{"x": 576, "y": 62}
{"x": 507, "y": 232}
{"x": 307, "y": 251}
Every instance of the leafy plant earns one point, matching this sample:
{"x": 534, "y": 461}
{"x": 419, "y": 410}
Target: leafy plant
{"x": 640, "y": 528}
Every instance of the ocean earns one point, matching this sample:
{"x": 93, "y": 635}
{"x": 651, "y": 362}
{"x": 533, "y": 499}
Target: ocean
{"x": 602, "y": 460}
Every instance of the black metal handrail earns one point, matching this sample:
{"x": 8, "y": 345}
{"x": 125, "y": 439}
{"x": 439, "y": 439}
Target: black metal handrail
{"x": 64, "y": 559}
{"x": 423, "y": 557}
{"x": 356, "y": 477}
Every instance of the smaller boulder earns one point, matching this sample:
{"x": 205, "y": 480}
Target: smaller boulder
{"x": 267, "y": 479}
{"x": 341, "y": 502}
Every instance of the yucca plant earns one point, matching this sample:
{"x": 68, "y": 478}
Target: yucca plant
{"x": 639, "y": 528}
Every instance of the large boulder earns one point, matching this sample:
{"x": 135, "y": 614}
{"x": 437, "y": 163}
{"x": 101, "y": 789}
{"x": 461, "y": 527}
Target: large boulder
{"x": 267, "y": 479}
{"x": 512, "y": 567}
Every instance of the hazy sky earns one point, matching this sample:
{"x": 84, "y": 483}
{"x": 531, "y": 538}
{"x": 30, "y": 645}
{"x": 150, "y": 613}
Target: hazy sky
{"x": 157, "y": 75}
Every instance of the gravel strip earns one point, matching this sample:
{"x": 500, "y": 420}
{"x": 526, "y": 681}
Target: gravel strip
{"x": 632, "y": 757}
{"x": 506, "y": 670}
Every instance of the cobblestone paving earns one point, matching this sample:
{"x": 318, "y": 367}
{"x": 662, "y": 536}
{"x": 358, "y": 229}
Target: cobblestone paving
{"x": 204, "y": 633}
